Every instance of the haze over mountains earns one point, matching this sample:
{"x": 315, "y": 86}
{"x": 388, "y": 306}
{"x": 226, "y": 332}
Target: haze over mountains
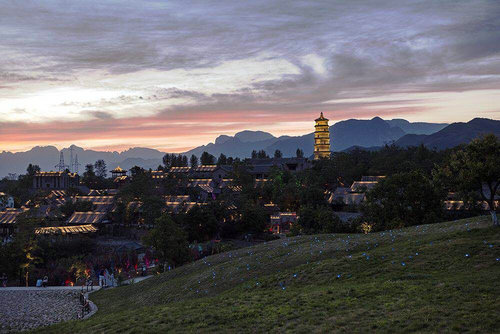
{"x": 344, "y": 135}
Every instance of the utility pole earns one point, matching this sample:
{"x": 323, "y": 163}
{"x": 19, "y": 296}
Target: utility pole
{"x": 61, "y": 166}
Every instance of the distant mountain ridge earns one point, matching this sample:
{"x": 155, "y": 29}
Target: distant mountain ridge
{"x": 453, "y": 135}
{"x": 343, "y": 135}
{"x": 48, "y": 156}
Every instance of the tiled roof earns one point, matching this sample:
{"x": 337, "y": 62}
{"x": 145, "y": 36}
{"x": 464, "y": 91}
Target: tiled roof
{"x": 177, "y": 198}
{"x": 62, "y": 230}
{"x": 81, "y": 218}
{"x": 206, "y": 168}
{"x": 9, "y": 216}
{"x": 95, "y": 199}
{"x": 372, "y": 178}
{"x": 358, "y": 186}
{"x": 180, "y": 169}
{"x": 57, "y": 193}
{"x": 206, "y": 188}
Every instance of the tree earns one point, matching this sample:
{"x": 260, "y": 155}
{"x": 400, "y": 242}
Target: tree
{"x": 100, "y": 168}
{"x": 25, "y": 241}
{"x": 222, "y": 160}
{"x": 278, "y": 154}
{"x": 193, "y": 161}
{"x": 475, "y": 168}
{"x": 152, "y": 208}
{"x": 317, "y": 219}
{"x": 201, "y": 224}
{"x": 253, "y": 219}
{"x": 207, "y": 159}
{"x": 262, "y": 155}
{"x": 32, "y": 169}
{"x": 300, "y": 153}
{"x": 167, "y": 160}
{"x": 89, "y": 176}
{"x": 403, "y": 199}
{"x": 169, "y": 242}
{"x": 254, "y": 154}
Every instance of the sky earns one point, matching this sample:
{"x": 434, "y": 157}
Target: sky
{"x": 175, "y": 74}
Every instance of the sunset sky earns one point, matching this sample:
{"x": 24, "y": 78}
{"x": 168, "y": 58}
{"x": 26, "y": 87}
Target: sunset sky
{"x": 174, "y": 74}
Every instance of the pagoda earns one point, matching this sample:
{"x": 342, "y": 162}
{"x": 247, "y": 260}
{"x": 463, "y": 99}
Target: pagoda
{"x": 321, "y": 138}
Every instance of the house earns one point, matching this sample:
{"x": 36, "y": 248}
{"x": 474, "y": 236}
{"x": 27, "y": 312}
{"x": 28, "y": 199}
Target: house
{"x": 282, "y": 222}
{"x": 8, "y": 219}
{"x": 356, "y": 193}
{"x": 6, "y": 201}
{"x": 55, "y": 180}
{"x": 261, "y": 168}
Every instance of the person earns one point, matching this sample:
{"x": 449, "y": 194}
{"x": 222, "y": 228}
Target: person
{"x": 143, "y": 270}
{"x": 101, "y": 278}
{"x": 4, "y": 280}
{"x": 45, "y": 281}
{"x": 39, "y": 283}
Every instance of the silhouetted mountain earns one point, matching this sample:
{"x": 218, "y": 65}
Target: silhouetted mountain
{"x": 344, "y": 134}
{"x": 453, "y": 135}
{"x": 418, "y": 128}
{"x": 248, "y": 136}
{"x": 48, "y": 156}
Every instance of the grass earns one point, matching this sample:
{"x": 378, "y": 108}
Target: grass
{"x": 430, "y": 278}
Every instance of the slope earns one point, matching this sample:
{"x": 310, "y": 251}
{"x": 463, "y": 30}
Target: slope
{"x": 429, "y": 278}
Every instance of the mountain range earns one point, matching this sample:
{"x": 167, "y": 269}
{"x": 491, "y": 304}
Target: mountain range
{"x": 344, "y": 135}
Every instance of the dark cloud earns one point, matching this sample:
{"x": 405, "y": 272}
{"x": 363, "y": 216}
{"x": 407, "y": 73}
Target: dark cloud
{"x": 369, "y": 47}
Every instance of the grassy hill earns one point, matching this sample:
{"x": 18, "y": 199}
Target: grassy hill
{"x": 429, "y": 278}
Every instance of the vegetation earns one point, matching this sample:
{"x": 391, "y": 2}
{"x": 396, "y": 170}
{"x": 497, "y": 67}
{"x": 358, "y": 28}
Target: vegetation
{"x": 415, "y": 279}
{"x": 169, "y": 242}
{"x": 467, "y": 170}
{"x": 404, "y": 199}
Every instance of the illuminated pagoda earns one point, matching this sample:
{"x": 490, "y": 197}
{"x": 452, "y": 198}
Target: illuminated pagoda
{"x": 321, "y": 138}
{"x": 117, "y": 172}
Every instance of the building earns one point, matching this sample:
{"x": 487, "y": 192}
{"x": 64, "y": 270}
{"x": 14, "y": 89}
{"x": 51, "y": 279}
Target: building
{"x": 356, "y": 193}
{"x": 6, "y": 201}
{"x": 262, "y": 168}
{"x": 321, "y": 138}
{"x": 282, "y": 222}
{"x": 55, "y": 180}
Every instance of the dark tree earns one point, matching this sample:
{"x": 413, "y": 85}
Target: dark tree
{"x": 152, "y": 209}
{"x": 254, "y": 154}
{"x": 169, "y": 242}
{"x": 476, "y": 168}
{"x": 207, "y": 159}
{"x": 317, "y": 219}
{"x": 32, "y": 169}
{"x": 404, "y": 199}
{"x": 278, "y": 154}
{"x": 100, "y": 168}
{"x": 222, "y": 160}
{"x": 262, "y": 155}
{"x": 193, "y": 161}
{"x": 300, "y": 153}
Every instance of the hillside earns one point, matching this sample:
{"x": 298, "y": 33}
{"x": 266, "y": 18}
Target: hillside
{"x": 429, "y": 278}
{"x": 453, "y": 135}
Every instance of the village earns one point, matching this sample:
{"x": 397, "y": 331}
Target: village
{"x": 100, "y": 222}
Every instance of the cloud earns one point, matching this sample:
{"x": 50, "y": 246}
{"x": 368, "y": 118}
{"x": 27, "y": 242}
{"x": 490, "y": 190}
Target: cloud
{"x": 95, "y": 62}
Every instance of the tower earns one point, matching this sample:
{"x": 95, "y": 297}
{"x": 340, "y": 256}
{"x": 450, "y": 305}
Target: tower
{"x": 71, "y": 161}
{"x": 76, "y": 165}
{"x": 321, "y": 138}
{"x": 61, "y": 166}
